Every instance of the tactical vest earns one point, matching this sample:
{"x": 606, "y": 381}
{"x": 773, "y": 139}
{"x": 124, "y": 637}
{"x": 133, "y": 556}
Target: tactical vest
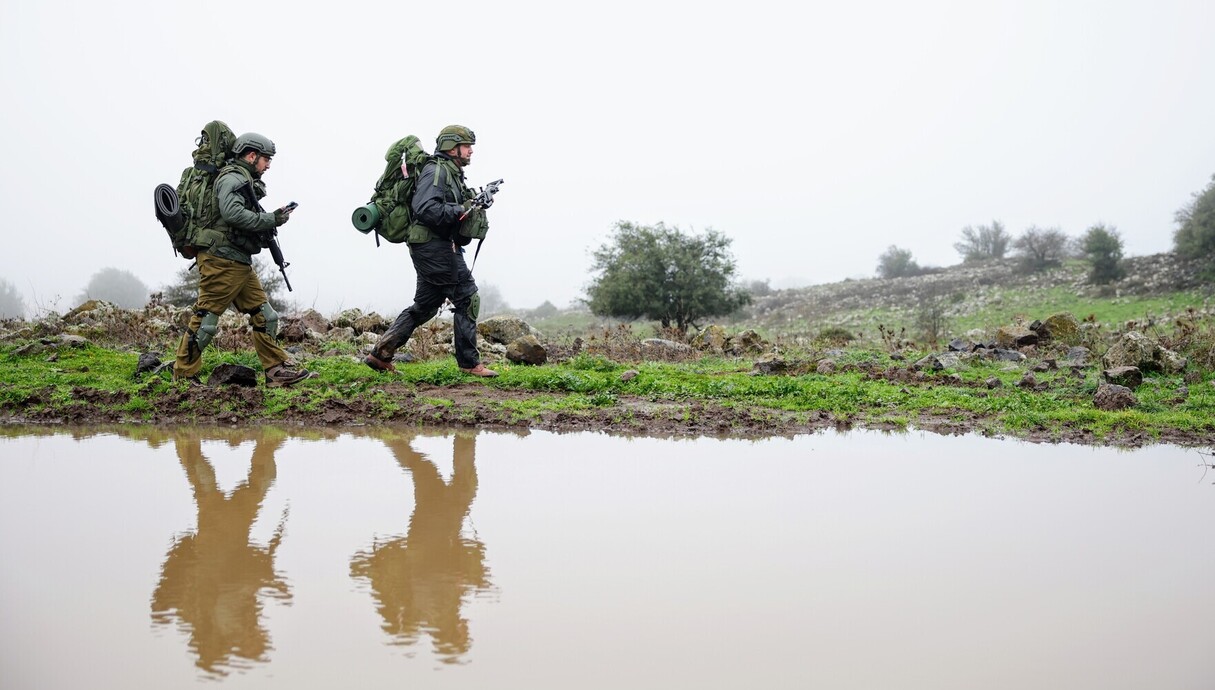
{"x": 252, "y": 191}
{"x": 447, "y": 174}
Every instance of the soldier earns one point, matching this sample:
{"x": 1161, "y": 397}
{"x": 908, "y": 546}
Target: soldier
{"x": 441, "y": 202}
{"x": 225, "y": 266}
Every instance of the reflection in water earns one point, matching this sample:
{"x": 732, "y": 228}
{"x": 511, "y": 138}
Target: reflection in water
{"x": 419, "y": 580}
{"x": 212, "y": 578}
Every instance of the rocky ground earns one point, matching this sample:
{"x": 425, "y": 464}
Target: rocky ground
{"x": 1055, "y": 344}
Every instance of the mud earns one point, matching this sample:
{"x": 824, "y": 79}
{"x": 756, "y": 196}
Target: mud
{"x": 480, "y": 406}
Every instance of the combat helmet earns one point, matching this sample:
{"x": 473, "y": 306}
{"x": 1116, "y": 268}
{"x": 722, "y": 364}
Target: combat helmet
{"x": 454, "y": 135}
{"x": 254, "y": 141}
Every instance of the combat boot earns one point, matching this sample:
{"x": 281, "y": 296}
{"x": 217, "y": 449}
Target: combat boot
{"x": 480, "y": 370}
{"x": 282, "y": 375}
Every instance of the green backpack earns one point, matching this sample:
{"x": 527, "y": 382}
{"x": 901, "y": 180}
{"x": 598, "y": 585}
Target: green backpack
{"x": 389, "y": 213}
{"x": 196, "y": 190}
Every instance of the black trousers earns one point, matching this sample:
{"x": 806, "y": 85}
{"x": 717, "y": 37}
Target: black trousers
{"x": 442, "y": 275}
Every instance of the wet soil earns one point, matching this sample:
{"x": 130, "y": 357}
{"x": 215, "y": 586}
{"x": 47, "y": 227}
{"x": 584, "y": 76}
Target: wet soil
{"x": 480, "y": 406}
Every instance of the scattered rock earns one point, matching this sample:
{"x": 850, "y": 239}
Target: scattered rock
{"x": 711, "y": 338}
{"x": 1061, "y": 328}
{"x": 825, "y": 367}
{"x": 993, "y": 382}
{"x": 1135, "y": 349}
{"x": 1111, "y": 396}
{"x": 746, "y": 343}
{"x": 232, "y": 375}
{"x": 526, "y": 350}
{"x": 1130, "y": 377}
{"x": 629, "y": 375}
{"x": 148, "y": 361}
{"x": 938, "y": 362}
{"x": 1028, "y": 381}
{"x": 1015, "y": 336}
{"x": 772, "y": 364}
{"x": 505, "y": 329}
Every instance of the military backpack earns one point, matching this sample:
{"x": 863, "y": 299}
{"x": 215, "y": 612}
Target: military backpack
{"x": 389, "y": 214}
{"x": 192, "y": 207}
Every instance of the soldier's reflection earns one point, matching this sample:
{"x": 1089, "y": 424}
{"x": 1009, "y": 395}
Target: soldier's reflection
{"x": 212, "y": 579}
{"x": 419, "y": 580}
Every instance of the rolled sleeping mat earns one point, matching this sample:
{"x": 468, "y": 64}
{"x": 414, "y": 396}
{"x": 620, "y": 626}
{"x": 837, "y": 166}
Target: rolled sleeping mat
{"x": 366, "y": 218}
{"x": 168, "y": 208}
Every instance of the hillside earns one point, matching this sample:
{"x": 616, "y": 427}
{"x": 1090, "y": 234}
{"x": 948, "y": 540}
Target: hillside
{"x": 1156, "y": 287}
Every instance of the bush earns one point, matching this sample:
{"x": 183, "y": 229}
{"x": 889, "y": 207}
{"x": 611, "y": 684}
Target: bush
{"x": 1102, "y": 246}
{"x": 897, "y": 263}
{"x": 1195, "y": 235}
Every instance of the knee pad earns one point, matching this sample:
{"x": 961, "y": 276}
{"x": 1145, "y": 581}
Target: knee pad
{"x": 271, "y": 317}
{"x": 474, "y": 306}
{"x": 206, "y": 330}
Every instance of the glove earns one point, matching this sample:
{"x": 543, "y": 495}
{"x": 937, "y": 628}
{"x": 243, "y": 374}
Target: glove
{"x": 281, "y": 217}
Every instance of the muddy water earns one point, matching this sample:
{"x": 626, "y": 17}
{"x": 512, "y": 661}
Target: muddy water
{"x": 153, "y": 558}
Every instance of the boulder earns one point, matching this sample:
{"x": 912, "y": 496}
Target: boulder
{"x": 370, "y": 323}
{"x": 1111, "y": 396}
{"x": 1135, "y": 349}
{"x": 505, "y": 329}
{"x": 1015, "y": 336}
{"x": 657, "y": 348}
{"x": 1061, "y": 328}
{"x": 938, "y": 362}
{"x": 347, "y": 318}
{"x": 313, "y": 321}
{"x": 232, "y": 375}
{"x": 1130, "y": 377}
{"x": 746, "y": 343}
{"x": 629, "y": 375}
{"x": 711, "y": 338}
{"x": 771, "y": 364}
{"x": 526, "y": 350}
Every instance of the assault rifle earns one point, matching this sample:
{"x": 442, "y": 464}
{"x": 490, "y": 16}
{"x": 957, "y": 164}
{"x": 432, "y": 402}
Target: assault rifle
{"x": 277, "y": 254}
{"x": 485, "y": 197}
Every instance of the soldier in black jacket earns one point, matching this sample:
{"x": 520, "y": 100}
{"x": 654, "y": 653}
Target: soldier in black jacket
{"x": 442, "y": 203}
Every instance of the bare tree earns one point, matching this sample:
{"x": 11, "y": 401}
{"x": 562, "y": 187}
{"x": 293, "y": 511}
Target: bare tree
{"x": 1041, "y": 248}
{"x": 983, "y": 243}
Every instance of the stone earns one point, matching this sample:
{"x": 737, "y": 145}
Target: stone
{"x": 1131, "y": 377}
{"x": 1134, "y": 349}
{"x": 526, "y": 350}
{"x": 746, "y": 343}
{"x": 1061, "y": 328}
{"x": 1028, "y": 381}
{"x": 993, "y": 382}
{"x": 771, "y": 364}
{"x": 711, "y": 338}
{"x": 232, "y": 375}
{"x": 505, "y": 329}
{"x": 629, "y": 375}
{"x": 148, "y": 361}
{"x": 825, "y": 367}
{"x": 1111, "y": 396}
{"x": 1015, "y": 336}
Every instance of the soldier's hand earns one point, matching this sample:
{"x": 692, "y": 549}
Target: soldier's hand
{"x": 280, "y": 217}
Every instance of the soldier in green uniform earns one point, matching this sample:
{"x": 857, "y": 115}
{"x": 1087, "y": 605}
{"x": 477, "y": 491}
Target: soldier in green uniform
{"x": 225, "y": 266}
{"x": 441, "y": 203}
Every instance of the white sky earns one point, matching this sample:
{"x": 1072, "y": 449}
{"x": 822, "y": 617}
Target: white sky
{"x": 814, "y": 137}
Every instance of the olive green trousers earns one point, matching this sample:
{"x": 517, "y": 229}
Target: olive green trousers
{"x": 223, "y": 283}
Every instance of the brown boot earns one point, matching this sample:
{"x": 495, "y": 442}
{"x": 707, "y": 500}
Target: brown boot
{"x": 480, "y": 370}
{"x": 283, "y": 376}
{"x": 372, "y": 360}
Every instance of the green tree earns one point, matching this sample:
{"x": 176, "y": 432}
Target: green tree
{"x": 11, "y": 304}
{"x": 183, "y": 291}
{"x": 1102, "y": 246}
{"x": 119, "y": 287}
{"x": 897, "y": 263}
{"x": 660, "y": 273}
{"x": 1041, "y": 248}
{"x": 983, "y": 243}
{"x": 1195, "y": 234}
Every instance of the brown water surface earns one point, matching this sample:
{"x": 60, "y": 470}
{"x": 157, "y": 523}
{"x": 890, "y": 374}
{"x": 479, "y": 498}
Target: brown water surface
{"x": 265, "y": 558}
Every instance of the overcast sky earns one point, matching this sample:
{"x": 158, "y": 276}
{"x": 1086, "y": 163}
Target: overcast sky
{"x": 813, "y": 137}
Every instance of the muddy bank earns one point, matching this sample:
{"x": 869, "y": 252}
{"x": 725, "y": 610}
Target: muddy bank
{"x": 478, "y": 406}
